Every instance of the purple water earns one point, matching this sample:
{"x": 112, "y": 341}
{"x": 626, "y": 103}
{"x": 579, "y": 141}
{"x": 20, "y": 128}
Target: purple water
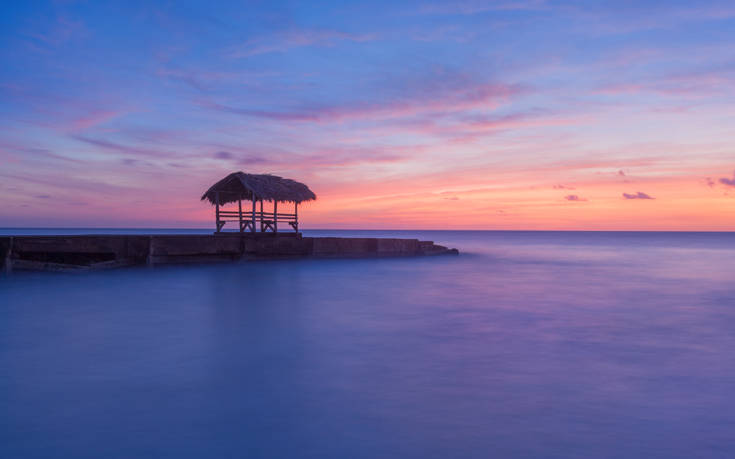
{"x": 528, "y": 344}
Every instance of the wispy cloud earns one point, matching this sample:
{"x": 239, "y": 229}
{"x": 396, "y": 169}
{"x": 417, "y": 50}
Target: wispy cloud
{"x": 61, "y": 30}
{"x": 41, "y": 153}
{"x": 728, "y": 181}
{"x": 204, "y": 80}
{"x": 64, "y": 184}
{"x": 573, "y": 197}
{"x": 597, "y": 20}
{"x": 122, "y": 148}
{"x": 478, "y": 6}
{"x": 443, "y": 101}
{"x": 295, "y": 38}
{"x": 62, "y": 111}
{"x": 691, "y": 83}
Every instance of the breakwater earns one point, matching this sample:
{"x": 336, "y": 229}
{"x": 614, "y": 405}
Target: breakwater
{"x": 88, "y": 252}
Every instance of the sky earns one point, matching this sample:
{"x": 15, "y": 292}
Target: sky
{"x": 513, "y": 114}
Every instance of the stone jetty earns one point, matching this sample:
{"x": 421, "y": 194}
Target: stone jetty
{"x": 93, "y": 252}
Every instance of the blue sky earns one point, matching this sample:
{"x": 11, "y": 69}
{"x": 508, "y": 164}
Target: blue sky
{"x": 398, "y": 114}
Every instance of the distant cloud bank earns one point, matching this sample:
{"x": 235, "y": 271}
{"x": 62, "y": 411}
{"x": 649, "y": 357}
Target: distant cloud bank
{"x": 223, "y": 155}
{"x": 728, "y": 181}
{"x": 638, "y": 195}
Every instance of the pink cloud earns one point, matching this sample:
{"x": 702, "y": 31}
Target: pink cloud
{"x": 458, "y": 129}
{"x": 314, "y": 158}
{"x": 518, "y": 120}
{"x": 93, "y": 119}
{"x": 346, "y": 156}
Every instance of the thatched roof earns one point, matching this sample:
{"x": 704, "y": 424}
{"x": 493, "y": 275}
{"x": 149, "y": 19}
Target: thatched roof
{"x": 247, "y": 187}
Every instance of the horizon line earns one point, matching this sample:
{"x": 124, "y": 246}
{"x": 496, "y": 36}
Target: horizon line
{"x": 370, "y": 229}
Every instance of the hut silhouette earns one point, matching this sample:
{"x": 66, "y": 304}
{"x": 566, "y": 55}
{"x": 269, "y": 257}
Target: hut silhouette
{"x": 254, "y": 188}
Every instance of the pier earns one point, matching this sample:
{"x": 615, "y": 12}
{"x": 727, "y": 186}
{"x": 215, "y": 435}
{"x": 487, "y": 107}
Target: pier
{"x": 95, "y": 252}
{"x": 257, "y": 236}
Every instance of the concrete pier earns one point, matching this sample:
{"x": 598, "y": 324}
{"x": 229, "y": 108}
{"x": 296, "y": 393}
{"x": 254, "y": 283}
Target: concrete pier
{"x": 91, "y": 252}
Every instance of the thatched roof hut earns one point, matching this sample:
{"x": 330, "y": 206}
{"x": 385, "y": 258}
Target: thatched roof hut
{"x": 258, "y": 187}
{"x": 239, "y": 186}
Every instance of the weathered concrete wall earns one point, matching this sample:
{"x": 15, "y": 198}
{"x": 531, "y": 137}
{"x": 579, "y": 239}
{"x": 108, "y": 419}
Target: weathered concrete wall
{"x": 75, "y": 252}
{"x": 194, "y": 245}
{"x": 192, "y": 248}
{"x": 5, "y": 254}
{"x": 399, "y": 246}
{"x": 278, "y": 247}
{"x": 120, "y": 246}
{"x": 364, "y": 247}
{"x": 99, "y": 251}
{"x": 173, "y": 249}
{"x": 336, "y": 246}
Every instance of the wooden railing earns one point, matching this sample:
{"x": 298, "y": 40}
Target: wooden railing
{"x": 268, "y": 220}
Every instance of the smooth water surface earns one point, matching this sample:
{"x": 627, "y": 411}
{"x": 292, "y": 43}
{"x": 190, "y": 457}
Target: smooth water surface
{"x": 528, "y": 344}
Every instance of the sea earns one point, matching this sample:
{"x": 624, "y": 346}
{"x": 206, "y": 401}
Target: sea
{"x": 526, "y": 345}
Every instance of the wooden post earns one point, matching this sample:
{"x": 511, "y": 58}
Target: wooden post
{"x": 239, "y": 211}
{"x": 216, "y": 197}
{"x": 253, "y": 228}
{"x": 296, "y": 216}
{"x": 275, "y": 216}
{"x": 261, "y": 215}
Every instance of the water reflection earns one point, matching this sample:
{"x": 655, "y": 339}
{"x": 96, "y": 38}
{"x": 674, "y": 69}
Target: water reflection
{"x": 527, "y": 345}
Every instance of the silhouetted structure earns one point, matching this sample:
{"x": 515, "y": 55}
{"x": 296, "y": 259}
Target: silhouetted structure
{"x": 239, "y": 187}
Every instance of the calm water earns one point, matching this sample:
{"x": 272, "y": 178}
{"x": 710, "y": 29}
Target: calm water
{"x": 526, "y": 345}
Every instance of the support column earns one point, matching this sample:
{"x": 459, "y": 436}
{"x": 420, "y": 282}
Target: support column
{"x": 296, "y": 216}
{"x": 253, "y": 228}
{"x": 239, "y": 211}
{"x": 275, "y": 216}
{"x": 216, "y": 211}
{"x": 261, "y": 215}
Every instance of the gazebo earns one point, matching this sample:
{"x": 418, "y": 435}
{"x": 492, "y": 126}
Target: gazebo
{"x": 239, "y": 186}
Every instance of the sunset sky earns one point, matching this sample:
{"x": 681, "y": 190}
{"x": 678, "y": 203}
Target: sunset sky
{"x": 515, "y": 114}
